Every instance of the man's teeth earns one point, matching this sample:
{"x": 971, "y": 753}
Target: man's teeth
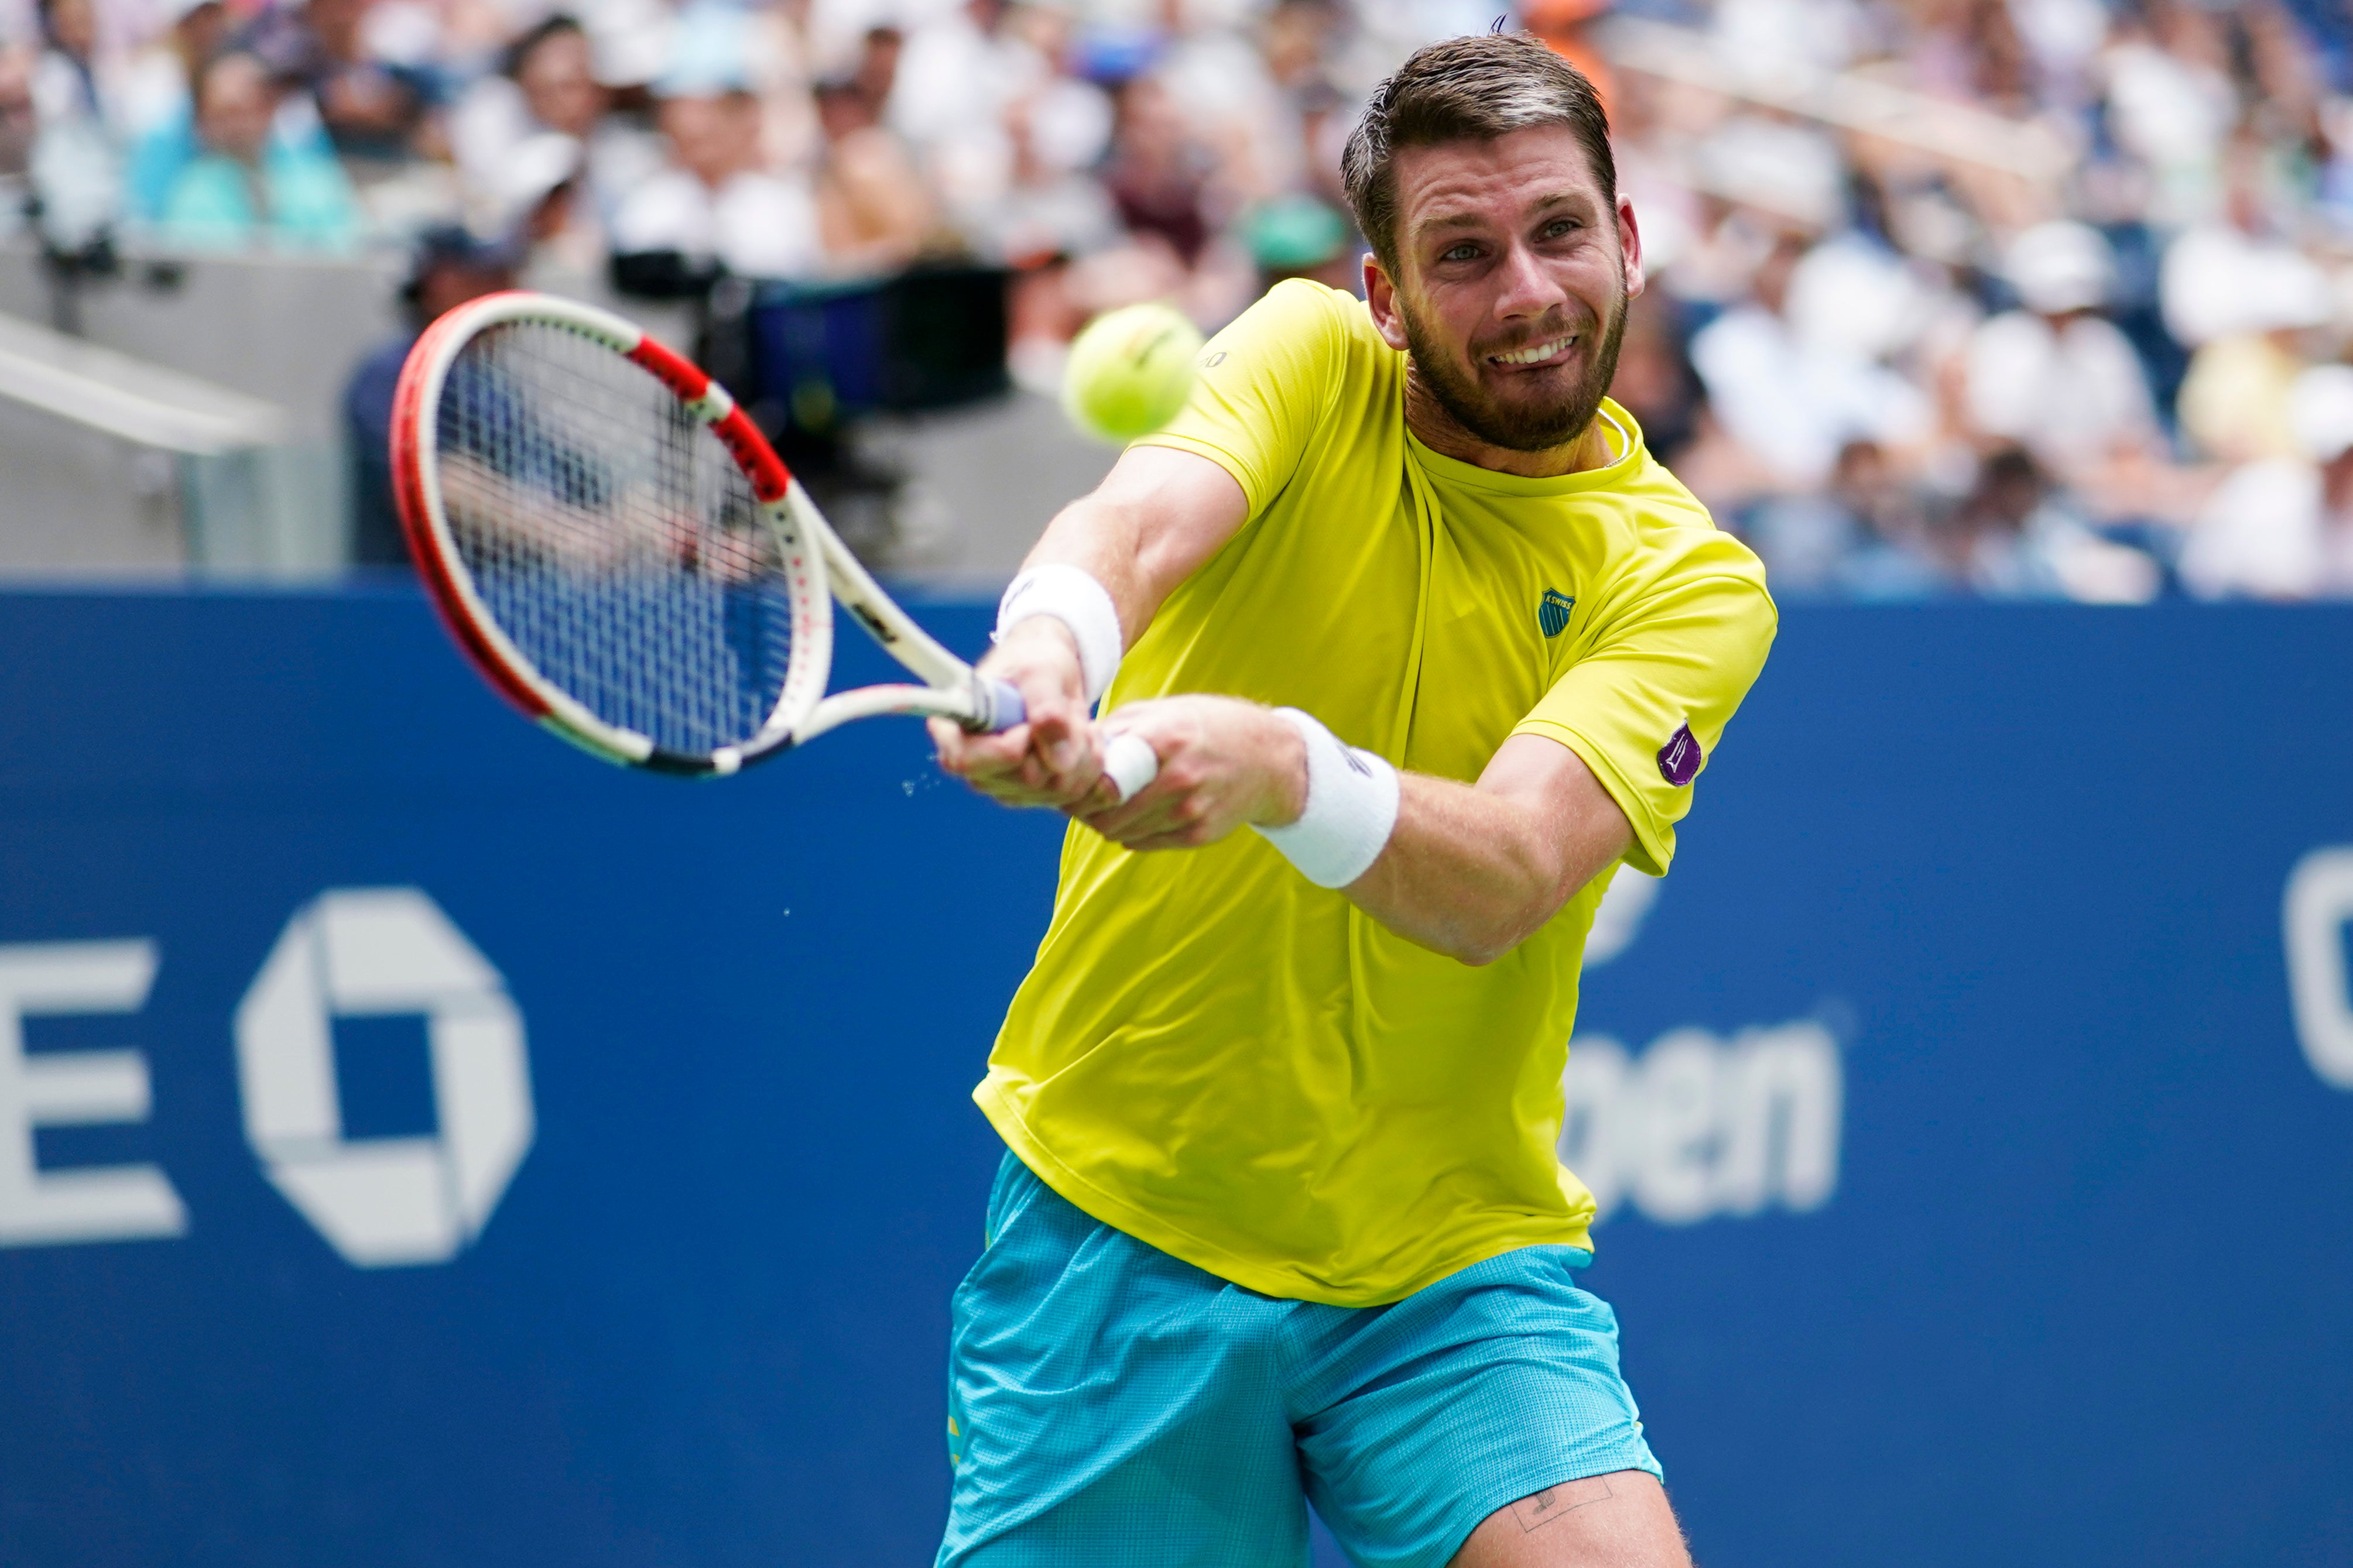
{"x": 1534, "y": 353}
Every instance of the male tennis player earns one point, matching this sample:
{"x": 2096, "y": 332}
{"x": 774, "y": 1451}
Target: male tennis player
{"x": 1402, "y": 594}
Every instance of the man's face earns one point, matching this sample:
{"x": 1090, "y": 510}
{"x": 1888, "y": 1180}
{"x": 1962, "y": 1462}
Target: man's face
{"x": 559, "y": 83}
{"x": 713, "y": 137}
{"x": 234, "y": 107}
{"x": 1514, "y": 271}
{"x": 450, "y": 284}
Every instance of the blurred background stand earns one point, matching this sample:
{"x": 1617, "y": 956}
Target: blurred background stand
{"x": 224, "y": 373}
{"x": 116, "y": 463}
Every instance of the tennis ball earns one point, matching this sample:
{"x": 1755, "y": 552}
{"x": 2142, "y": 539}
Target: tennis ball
{"x": 1130, "y": 372}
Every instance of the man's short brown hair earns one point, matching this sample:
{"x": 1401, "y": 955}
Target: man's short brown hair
{"x": 1466, "y": 90}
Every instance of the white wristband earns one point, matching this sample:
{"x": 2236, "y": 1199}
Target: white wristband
{"x": 1075, "y": 598}
{"x": 1352, "y": 807}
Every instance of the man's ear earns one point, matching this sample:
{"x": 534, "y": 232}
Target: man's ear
{"x": 1380, "y": 294}
{"x": 1630, "y": 246}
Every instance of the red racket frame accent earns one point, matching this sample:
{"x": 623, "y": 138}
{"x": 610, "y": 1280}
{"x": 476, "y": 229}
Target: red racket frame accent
{"x": 693, "y": 385}
{"x": 424, "y": 549}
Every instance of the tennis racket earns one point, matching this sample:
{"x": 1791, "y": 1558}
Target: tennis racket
{"x": 622, "y": 555}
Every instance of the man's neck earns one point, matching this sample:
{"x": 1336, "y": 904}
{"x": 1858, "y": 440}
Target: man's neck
{"x": 1439, "y": 430}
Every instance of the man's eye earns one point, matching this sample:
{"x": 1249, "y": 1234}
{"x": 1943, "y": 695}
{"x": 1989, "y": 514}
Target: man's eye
{"x": 1558, "y": 226}
{"x": 1462, "y": 252}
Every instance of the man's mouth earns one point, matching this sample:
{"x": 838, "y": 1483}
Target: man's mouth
{"x": 1536, "y": 354}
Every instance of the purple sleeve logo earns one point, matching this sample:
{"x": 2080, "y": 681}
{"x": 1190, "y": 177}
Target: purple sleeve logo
{"x": 1680, "y": 758}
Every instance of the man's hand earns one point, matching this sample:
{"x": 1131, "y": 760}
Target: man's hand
{"x": 1224, "y": 763}
{"x": 1050, "y": 760}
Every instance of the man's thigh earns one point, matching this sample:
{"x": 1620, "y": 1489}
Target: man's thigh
{"x": 1618, "y": 1520}
{"x": 1111, "y": 1406}
{"x": 1490, "y": 1387}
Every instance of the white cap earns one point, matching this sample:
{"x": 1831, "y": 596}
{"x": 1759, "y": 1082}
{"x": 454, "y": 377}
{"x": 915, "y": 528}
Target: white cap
{"x": 710, "y": 53}
{"x": 2287, "y": 291}
{"x": 1787, "y": 171}
{"x": 2220, "y": 282}
{"x": 629, "y": 40}
{"x": 538, "y": 164}
{"x": 1855, "y": 298}
{"x": 2059, "y": 266}
{"x": 2320, "y": 412}
{"x": 171, "y": 13}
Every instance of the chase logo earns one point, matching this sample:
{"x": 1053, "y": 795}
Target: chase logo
{"x": 1552, "y": 612}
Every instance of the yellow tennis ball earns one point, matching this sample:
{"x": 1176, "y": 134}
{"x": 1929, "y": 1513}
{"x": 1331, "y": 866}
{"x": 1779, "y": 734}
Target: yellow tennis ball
{"x": 1130, "y": 372}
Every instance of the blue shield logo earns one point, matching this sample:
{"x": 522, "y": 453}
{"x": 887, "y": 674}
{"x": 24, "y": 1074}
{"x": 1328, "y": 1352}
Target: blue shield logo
{"x": 1552, "y": 612}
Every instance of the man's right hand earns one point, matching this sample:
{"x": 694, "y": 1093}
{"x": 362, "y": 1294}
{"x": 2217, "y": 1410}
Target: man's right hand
{"x": 1154, "y": 519}
{"x": 1052, "y": 758}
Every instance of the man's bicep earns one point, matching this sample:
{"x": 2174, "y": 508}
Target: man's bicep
{"x": 1155, "y": 517}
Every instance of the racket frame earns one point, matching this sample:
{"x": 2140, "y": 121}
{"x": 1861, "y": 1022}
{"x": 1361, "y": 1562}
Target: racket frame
{"x": 818, "y": 568}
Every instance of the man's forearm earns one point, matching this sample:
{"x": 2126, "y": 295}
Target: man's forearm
{"x": 1469, "y": 874}
{"x": 1101, "y": 537}
{"x": 1472, "y": 871}
{"x": 1467, "y": 870}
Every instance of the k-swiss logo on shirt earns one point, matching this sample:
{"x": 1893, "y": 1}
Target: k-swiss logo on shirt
{"x": 1552, "y": 612}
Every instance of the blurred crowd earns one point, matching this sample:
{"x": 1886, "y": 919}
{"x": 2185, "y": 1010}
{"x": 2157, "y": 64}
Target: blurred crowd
{"x": 2006, "y": 298}
{"x": 1999, "y": 298}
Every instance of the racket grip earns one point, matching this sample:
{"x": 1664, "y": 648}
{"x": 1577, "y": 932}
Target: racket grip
{"x": 1130, "y": 763}
{"x": 1000, "y": 706}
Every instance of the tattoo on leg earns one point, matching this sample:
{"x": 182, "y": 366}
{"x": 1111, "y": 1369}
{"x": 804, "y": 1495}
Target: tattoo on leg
{"x": 1535, "y": 1512}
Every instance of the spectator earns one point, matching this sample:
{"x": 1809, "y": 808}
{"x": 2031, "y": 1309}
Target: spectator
{"x": 2240, "y": 295}
{"x": 2171, "y": 103}
{"x": 19, "y": 128}
{"x": 248, "y": 186}
{"x": 1158, "y": 175}
{"x": 545, "y": 208}
{"x": 1895, "y": 554}
{"x": 1793, "y": 400}
{"x": 160, "y": 98}
{"x": 2281, "y": 528}
{"x": 65, "y": 84}
{"x": 951, "y": 84}
{"x": 2019, "y": 537}
{"x": 2056, "y": 377}
{"x": 75, "y": 169}
{"x": 873, "y": 213}
{"x": 370, "y": 108}
{"x": 1655, "y": 381}
{"x": 1052, "y": 208}
{"x": 545, "y": 83}
{"x": 446, "y": 267}
{"x": 713, "y": 205}
{"x": 547, "y": 86}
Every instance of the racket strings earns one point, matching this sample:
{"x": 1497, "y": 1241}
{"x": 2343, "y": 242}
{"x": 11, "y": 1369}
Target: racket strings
{"x": 612, "y": 537}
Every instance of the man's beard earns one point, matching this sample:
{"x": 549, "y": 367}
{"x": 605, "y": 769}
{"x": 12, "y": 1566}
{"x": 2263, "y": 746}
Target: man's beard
{"x": 1517, "y": 428}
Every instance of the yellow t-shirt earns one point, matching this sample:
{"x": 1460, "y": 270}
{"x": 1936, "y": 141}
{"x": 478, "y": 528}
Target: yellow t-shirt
{"x": 1245, "y": 1070}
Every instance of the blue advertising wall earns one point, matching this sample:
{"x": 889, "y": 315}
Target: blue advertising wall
{"x": 2074, "y": 1290}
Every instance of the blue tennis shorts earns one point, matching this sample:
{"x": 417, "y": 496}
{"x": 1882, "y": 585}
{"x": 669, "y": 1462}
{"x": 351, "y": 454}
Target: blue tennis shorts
{"x": 1109, "y": 1404}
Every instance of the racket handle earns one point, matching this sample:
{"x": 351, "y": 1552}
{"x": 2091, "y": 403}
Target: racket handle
{"x": 1000, "y": 706}
{"x": 1130, "y": 763}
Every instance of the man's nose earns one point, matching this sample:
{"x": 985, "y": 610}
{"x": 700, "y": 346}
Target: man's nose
{"x": 1526, "y": 289}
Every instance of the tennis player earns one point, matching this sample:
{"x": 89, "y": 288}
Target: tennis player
{"x": 1428, "y": 646}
